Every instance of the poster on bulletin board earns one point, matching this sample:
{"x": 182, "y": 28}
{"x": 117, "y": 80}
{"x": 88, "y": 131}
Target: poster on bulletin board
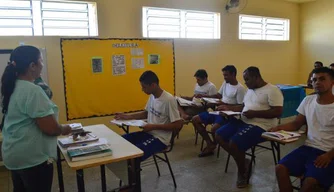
{"x": 101, "y": 76}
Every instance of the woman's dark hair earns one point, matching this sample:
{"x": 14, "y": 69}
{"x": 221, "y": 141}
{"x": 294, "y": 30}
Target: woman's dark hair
{"x": 20, "y": 60}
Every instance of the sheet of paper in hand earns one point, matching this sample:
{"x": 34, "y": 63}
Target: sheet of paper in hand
{"x": 211, "y": 100}
{"x": 184, "y": 102}
{"x": 133, "y": 123}
{"x": 229, "y": 113}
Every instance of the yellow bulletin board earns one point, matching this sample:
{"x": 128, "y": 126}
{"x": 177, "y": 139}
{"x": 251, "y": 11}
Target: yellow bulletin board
{"x": 101, "y": 76}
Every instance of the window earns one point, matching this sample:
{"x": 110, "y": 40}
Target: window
{"x": 263, "y": 28}
{"x": 16, "y": 18}
{"x": 56, "y": 18}
{"x": 175, "y": 23}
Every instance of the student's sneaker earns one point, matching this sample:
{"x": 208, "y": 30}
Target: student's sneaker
{"x": 242, "y": 181}
{"x": 207, "y": 152}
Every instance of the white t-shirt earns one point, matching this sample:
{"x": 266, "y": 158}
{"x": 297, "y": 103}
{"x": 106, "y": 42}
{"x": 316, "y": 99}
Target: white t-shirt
{"x": 320, "y": 122}
{"x": 206, "y": 89}
{"x": 162, "y": 110}
{"x": 262, "y": 99}
{"x": 232, "y": 94}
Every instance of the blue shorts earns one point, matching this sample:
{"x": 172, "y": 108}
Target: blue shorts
{"x": 301, "y": 162}
{"x": 146, "y": 142}
{"x": 207, "y": 118}
{"x": 243, "y": 135}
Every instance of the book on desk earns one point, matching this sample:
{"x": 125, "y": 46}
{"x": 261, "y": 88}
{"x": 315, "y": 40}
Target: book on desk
{"x": 76, "y": 127}
{"x": 285, "y": 136}
{"x": 93, "y": 150}
{"x": 68, "y": 141}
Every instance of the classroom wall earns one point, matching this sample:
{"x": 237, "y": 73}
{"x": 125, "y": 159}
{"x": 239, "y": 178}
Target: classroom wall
{"x": 278, "y": 61}
{"x": 316, "y": 35}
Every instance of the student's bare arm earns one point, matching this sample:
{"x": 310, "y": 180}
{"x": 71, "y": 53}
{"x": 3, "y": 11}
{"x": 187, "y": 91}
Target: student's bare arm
{"x": 187, "y": 98}
{"x": 322, "y": 161}
{"x": 226, "y": 107}
{"x": 292, "y": 126}
{"x": 331, "y": 153}
{"x": 169, "y": 126}
{"x": 273, "y": 112}
{"x": 217, "y": 96}
{"x": 139, "y": 115}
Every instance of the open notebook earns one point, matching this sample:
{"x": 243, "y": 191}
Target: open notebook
{"x": 225, "y": 112}
{"x": 133, "y": 123}
{"x": 286, "y": 136}
{"x": 211, "y": 100}
{"x": 184, "y": 102}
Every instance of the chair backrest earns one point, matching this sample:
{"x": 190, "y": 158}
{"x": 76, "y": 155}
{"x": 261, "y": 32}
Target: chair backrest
{"x": 172, "y": 139}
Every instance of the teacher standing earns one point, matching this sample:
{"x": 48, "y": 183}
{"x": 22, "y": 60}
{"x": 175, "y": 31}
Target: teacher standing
{"x": 31, "y": 125}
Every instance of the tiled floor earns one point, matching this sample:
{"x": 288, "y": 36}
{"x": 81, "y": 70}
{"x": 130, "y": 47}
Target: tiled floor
{"x": 192, "y": 174}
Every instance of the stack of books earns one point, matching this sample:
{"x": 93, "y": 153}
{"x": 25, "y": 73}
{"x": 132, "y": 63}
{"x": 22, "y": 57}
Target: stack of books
{"x": 89, "y": 151}
{"x": 68, "y": 141}
{"x": 76, "y": 127}
{"x": 83, "y": 145}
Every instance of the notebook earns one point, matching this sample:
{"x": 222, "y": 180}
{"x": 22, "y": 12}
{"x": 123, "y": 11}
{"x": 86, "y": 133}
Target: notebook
{"x": 229, "y": 113}
{"x": 211, "y": 100}
{"x": 133, "y": 123}
{"x": 76, "y": 127}
{"x": 89, "y": 152}
{"x": 183, "y": 102}
{"x": 287, "y": 136}
{"x": 67, "y": 141}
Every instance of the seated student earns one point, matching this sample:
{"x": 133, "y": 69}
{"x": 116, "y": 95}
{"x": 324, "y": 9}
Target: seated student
{"x": 203, "y": 88}
{"x": 162, "y": 116}
{"x": 331, "y": 66}
{"x": 317, "y": 64}
{"x": 232, "y": 94}
{"x": 40, "y": 82}
{"x": 263, "y": 104}
{"x": 315, "y": 159}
